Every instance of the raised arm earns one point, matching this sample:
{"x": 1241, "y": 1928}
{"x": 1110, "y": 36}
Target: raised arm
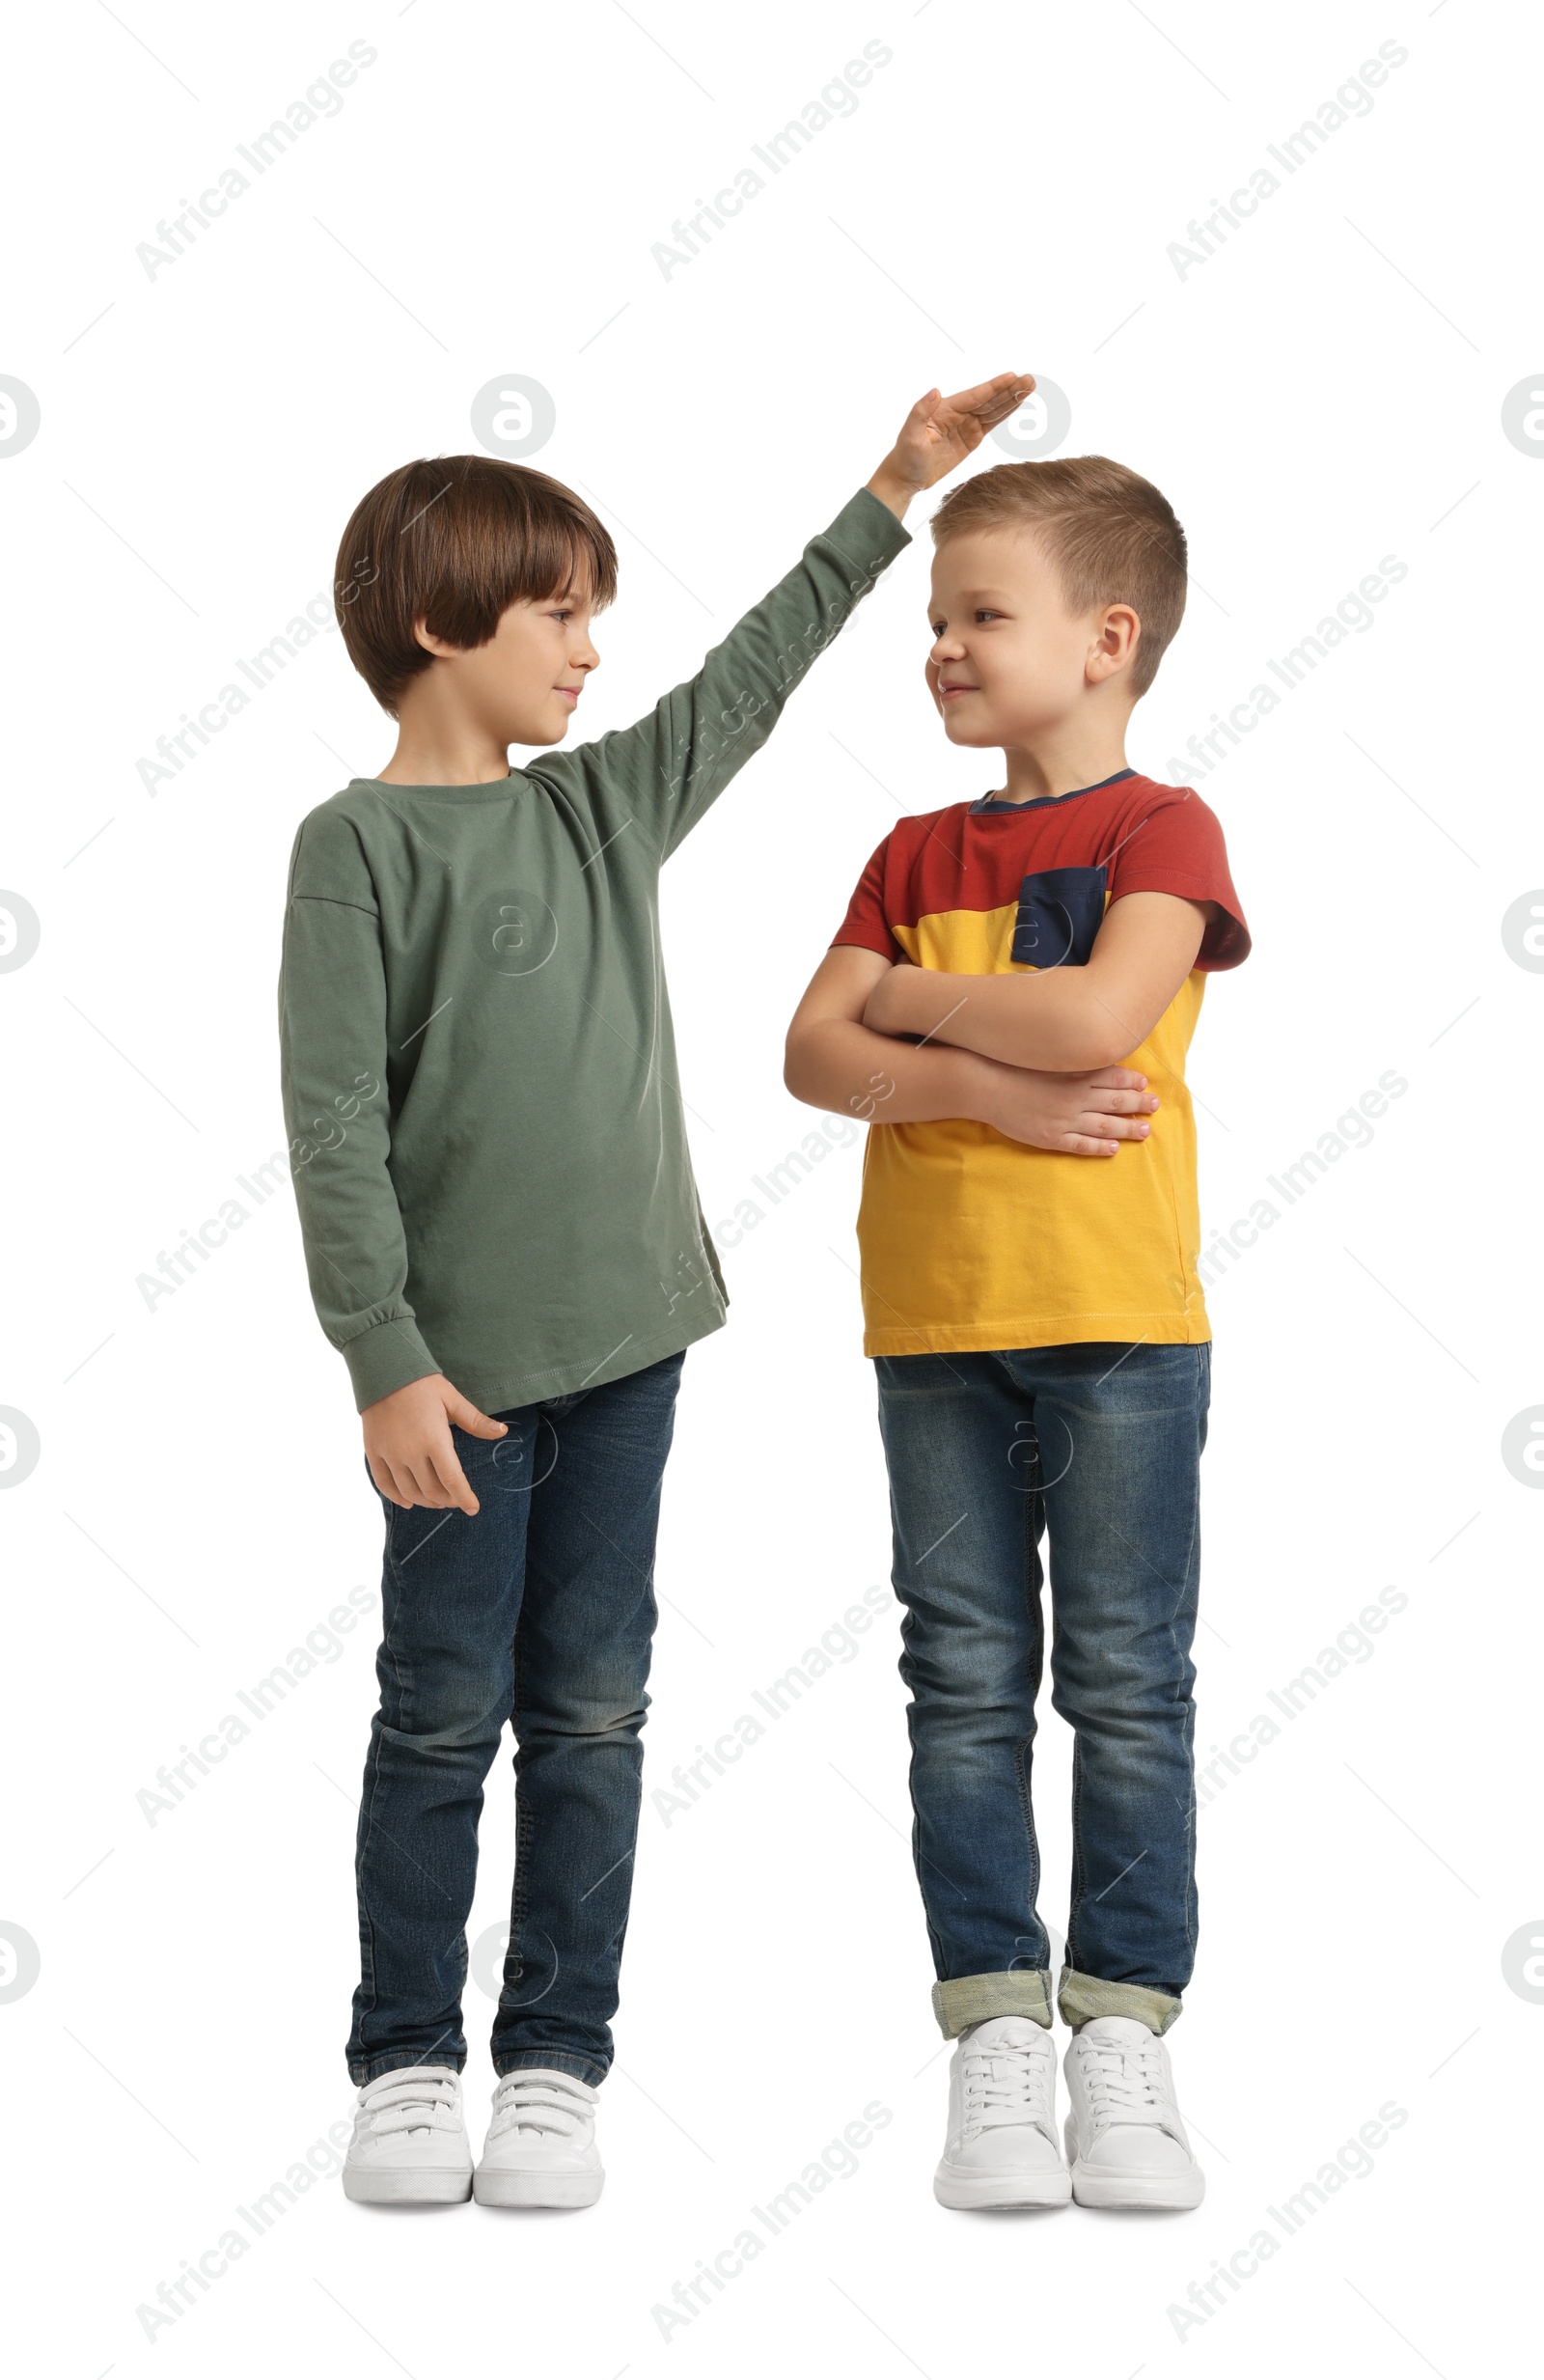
{"x": 1056, "y": 1018}
{"x": 661, "y": 775}
{"x": 836, "y": 1062}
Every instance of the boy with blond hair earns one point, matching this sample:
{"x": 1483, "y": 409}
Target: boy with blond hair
{"x": 1010, "y": 1002}
{"x": 504, "y": 1239}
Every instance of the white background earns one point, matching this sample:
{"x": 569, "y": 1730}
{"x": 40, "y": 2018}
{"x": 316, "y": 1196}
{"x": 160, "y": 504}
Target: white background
{"x": 1323, "y": 391}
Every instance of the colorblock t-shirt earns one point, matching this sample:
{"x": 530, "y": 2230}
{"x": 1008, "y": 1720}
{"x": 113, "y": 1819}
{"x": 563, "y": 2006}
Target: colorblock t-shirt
{"x": 971, "y": 1240}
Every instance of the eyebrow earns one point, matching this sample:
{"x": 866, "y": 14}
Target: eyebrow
{"x": 981, "y": 595}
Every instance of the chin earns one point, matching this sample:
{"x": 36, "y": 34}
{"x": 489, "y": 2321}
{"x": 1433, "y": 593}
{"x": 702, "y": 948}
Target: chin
{"x": 971, "y": 738}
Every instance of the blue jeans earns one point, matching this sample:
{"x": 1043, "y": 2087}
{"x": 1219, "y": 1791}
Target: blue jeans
{"x": 538, "y": 1609}
{"x": 1098, "y": 1444}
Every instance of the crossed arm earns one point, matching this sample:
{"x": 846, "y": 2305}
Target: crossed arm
{"x": 1035, "y": 1055}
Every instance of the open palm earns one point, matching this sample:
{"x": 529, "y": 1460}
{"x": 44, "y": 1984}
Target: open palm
{"x": 940, "y": 431}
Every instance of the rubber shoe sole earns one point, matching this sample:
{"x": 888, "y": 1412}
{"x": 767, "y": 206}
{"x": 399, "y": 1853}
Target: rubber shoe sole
{"x": 493, "y": 2188}
{"x": 405, "y": 2186}
{"x": 999, "y": 2193}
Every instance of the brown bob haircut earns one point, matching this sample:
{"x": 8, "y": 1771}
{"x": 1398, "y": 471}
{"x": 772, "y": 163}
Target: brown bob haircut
{"x": 1110, "y": 533}
{"x": 454, "y": 542}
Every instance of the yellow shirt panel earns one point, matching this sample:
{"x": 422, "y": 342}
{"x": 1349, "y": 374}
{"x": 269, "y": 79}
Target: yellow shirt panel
{"x": 971, "y": 1241}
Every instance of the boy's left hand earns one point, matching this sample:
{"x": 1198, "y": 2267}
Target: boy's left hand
{"x": 940, "y": 431}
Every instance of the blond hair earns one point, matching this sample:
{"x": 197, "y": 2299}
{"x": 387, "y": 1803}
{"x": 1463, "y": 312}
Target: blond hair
{"x": 1112, "y": 535}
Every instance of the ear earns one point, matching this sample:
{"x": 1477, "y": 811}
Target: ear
{"x": 1115, "y": 642}
{"x": 436, "y": 645}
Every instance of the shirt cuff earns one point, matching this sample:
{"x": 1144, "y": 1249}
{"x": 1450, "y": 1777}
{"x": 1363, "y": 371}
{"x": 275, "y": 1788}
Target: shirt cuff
{"x": 384, "y": 1358}
{"x": 868, "y": 534}
{"x": 876, "y": 938}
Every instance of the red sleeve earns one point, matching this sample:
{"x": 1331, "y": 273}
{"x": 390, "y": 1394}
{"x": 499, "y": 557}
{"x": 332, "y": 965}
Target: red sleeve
{"x": 1174, "y": 843}
{"x": 865, "y": 923}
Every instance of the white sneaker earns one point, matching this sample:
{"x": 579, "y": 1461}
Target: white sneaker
{"x": 1126, "y": 2141}
{"x": 410, "y": 2145}
{"x": 540, "y": 2148}
{"x": 1002, "y": 2146}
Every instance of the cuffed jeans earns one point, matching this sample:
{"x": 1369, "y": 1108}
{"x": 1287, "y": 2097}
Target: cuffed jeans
{"x": 538, "y": 1609}
{"x": 1099, "y": 1445}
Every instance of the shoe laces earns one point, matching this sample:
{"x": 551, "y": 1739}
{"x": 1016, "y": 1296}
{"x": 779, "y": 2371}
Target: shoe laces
{"x": 418, "y": 2099}
{"x": 1006, "y": 2084}
{"x": 1125, "y": 2082}
{"x": 536, "y": 2099}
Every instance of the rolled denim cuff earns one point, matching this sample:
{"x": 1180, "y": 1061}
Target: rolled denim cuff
{"x": 970, "y": 1998}
{"x": 1083, "y": 1997}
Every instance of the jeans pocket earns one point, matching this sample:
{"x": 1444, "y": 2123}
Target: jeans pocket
{"x": 914, "y": 1375}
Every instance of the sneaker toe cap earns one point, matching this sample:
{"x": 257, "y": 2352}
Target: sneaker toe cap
{"x": 1006, "y": 2149}
{"x": 1138, "y": 2150}
{"x": 405, "y": 2151}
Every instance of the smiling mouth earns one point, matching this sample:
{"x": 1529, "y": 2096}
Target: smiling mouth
{"x": 571, "y": 694}
{"x": 948, "y": 694}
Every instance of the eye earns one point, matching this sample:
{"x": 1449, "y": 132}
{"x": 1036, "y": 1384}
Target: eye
{"x": 987, "y": 615}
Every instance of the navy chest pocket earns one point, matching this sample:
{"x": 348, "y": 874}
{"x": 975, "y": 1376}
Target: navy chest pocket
{"x": 1061, "y": 910}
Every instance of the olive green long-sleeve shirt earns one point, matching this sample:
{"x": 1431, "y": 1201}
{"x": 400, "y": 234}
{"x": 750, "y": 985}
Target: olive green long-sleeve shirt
{"x": 487, "y": 1141}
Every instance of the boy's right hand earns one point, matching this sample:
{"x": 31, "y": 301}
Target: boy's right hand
{"x": 940, "y": 431}
{"x": 409, "y": 1449}
{"x": 1076, "y": 1114}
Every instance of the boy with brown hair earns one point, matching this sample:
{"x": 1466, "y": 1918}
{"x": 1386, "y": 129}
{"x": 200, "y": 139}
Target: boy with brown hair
{"x": 1012, "y": 994}
{"x": 504, "y": 1239}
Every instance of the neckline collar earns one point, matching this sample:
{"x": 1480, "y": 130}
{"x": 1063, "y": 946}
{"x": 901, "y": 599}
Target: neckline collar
{"x": 988, "y": 807}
